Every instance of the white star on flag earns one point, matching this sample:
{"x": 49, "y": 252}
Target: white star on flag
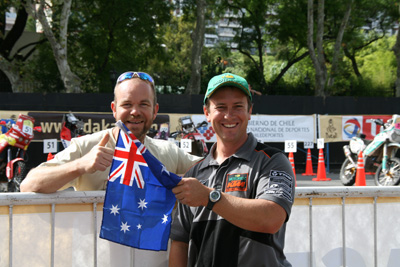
{"x": 142, "y": 204}
{"x": 139, "y": 226}
{"x": 114, "y": 210}
{"x": 125, "y": 227}
{"x": 165, "y": 219}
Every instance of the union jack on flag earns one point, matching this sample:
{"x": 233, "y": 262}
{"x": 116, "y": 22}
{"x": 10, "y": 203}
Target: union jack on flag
{"x": 137, "y": 214}
{"x": 127, "y": 161}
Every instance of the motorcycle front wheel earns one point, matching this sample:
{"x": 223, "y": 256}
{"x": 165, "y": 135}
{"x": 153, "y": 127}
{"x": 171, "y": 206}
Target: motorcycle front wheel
{"x": 392, "y": 177}
{"x": 20, "y": 172}
{"x": 348, "y": 173}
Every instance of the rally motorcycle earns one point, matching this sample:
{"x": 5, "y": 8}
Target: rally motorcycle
{"x": 71, "y": 127}
{"x": 13, "y": 156}
{"x": 379, "y": 155}
{"x": 188, "y": 130}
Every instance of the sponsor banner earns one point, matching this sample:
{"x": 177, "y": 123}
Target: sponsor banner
{"x": 51, "y": 123}
{"x": 330, "y": 128}
{"x": 269, "y": 128}
{"x": 343, "y": 128}
{"x": 351, "y": 126}
{"x": 369, "y": 128}
{"x": 266, "y": 128}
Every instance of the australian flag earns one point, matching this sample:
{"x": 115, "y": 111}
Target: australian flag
{"x": 138, "y": 201}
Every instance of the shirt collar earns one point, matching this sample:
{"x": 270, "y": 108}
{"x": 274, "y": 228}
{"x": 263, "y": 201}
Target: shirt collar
{"x": 242, "y": 152}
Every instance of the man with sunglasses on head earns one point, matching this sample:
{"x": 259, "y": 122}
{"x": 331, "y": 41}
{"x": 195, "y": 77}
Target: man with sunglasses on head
{"x": 85, "y": 163}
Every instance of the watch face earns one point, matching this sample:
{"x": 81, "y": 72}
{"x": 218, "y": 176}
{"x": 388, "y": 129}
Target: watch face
{"x": 215, "y": 195}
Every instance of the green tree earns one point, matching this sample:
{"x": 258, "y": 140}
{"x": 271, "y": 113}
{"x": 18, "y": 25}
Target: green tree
{"x": 378, "y": 64}
{"x": 116, "y": 36}
{"x": 12, "y": 57}
{"x": 172, "y": 68}
{"x": 288, "y": 42}
{"x": 251, "y": 38}
{"x": 53, "y": 17}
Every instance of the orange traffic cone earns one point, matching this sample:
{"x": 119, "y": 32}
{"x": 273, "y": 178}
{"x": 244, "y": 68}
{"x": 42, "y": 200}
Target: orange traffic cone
{"x": 360, "y": 175}
{"x": 321, "y": 173}
{"x": 291, "y": 159}
{"x": 309, "y": 169}
{"x": 50, "y": 156}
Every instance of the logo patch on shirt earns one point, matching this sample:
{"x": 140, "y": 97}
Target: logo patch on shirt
{"x": 236, "y": 182}
{"x": 280, "y": 183}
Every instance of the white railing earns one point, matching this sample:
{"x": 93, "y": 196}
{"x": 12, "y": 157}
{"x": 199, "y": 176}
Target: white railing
{"x": 341, "y": 226}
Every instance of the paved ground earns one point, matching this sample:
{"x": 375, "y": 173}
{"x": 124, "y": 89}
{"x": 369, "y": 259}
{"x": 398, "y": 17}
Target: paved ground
{"x": 306, "y": 181}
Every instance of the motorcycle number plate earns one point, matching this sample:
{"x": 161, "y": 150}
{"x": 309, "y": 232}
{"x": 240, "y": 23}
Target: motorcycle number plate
{"x": 27, "y": 127}
{"x": 380, "y": 137}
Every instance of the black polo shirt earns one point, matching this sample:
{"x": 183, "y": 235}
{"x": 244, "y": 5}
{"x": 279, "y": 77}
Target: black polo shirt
{"x": 255, "y": 171}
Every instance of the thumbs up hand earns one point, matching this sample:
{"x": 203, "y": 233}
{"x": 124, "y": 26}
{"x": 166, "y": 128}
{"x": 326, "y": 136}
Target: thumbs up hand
{"x": 99, "y": 158}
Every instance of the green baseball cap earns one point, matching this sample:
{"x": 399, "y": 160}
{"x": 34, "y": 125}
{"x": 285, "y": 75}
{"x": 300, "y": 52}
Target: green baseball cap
{"x": 227, "y": 79}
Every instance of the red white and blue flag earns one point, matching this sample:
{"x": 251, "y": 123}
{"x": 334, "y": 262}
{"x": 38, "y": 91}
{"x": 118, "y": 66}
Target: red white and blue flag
{"x": 139, "y": 201}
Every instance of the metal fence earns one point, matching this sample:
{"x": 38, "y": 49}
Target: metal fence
{"x": 307, "y": 243}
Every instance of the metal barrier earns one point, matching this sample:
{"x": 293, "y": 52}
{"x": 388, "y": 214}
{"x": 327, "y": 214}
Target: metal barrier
{"x": 329, "y": 226}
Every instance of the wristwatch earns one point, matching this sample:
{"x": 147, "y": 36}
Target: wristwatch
{"x": 214, "y": 197}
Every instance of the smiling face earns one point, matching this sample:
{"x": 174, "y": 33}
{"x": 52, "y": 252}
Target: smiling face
{"x": 229, "y": 112}
{"x": 134, "y": 105}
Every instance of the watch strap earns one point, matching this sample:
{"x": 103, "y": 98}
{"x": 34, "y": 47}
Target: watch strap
{"x": 210, "y": 204}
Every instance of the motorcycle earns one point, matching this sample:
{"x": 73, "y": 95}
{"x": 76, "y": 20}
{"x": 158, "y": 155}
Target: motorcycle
{"x": 71, "y": 127}
{"x": 188, "y": 130}
{"x": 13, "y": 146}
{"x": 379, "y": 155}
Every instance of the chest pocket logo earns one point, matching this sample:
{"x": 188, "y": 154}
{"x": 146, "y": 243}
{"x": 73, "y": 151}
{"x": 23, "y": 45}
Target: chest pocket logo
{"x": 236, "y": 182}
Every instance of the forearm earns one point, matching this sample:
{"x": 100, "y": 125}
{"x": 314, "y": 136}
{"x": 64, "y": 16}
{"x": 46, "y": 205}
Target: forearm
{"x": 178, "y": 254}
{"x": 258, "y": 215}
{"x": 50, "y": 179}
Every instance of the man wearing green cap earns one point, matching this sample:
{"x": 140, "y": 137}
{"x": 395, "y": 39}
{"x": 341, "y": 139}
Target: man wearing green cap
{"x": 234, "y": 212}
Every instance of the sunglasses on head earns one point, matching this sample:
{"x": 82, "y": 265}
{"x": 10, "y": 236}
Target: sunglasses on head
{"x": 132, "y": 74}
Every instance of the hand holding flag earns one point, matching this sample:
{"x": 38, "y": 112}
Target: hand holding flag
{"x": 139, "y": 201}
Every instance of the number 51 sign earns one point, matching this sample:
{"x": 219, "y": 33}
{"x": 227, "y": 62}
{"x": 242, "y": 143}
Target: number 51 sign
{"x": 50, "y": 146}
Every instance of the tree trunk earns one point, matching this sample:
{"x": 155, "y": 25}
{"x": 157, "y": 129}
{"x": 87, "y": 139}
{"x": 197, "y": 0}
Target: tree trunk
{"x": 194, "y": 84}
{"x": 290, "y": 63}
{"x": 71, "y": 80}
{"x": 12, "y": 72}
{"x": 338, "y": 44}
{"x": 9, "y": 63}
{"x": 318, "y": 59}
{"x": 353, "y": 62}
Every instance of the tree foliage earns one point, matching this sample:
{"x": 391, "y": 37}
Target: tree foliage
{"x": 105, "y": 38}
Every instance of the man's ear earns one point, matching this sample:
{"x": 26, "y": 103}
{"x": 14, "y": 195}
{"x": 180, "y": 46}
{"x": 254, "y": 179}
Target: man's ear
{"x": 206, "y": 113}
{"x": 156, "y": 108}
{"x": 113, "y": 108}
{"x": 250, "y": 111}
